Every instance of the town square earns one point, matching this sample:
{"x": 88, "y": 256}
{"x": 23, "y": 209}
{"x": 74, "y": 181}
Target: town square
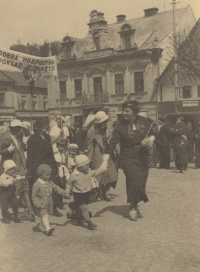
{"x": 100, "y": 136}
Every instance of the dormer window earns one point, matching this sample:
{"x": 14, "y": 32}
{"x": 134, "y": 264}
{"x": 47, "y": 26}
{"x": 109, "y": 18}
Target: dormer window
{"x": 68, "y": 43}
{"x": 97, "y": 41}
{"x": 127, "y": 37}
{"x": 127, "y": 41}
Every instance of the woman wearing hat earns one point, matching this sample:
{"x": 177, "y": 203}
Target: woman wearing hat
{"x": 134, "y": 157}
{"x": 11, "y": 147}
{"x": 98, "y": 138}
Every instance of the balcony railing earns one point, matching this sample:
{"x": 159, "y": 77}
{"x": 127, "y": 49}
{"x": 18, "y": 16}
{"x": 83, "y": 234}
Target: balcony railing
{"x": 95, "y": 99}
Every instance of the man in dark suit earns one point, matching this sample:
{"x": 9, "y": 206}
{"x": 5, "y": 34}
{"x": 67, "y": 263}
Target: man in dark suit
{"x": 79, "y": 137}
{"x": 180, "y": 143}
{"x": 163, "y": 144}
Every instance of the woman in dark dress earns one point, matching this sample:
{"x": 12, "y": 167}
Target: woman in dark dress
{"x": 40, "y": 151}
{"x": 134, "y": 157}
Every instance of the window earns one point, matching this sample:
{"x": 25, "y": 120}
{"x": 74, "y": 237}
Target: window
{"x": 23, "y": 103}
{"x": 35, "y": 102}
{"x": 127, "y": 40}
{"x": 185, "y": 92}
{"x": 97, "y": 41}
{"x": 63, "y": 89}
{"x": 68, "y": 52}
{"x": 1, "y": 99}
{"x": 44, "y": 102}
{"x": 97, "y": 83}
{"x": 119, "y": 84}
{"x": 78, "y": 87}
{"x": 198, "y": 91}
{"x": 139, "y": 82}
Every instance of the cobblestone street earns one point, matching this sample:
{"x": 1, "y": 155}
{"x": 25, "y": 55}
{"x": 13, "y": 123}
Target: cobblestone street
{"x": 166, "y": 239}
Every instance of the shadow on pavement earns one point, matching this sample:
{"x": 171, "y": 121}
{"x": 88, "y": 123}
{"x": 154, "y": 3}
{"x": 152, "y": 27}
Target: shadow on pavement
{"x": 120, "y": 210}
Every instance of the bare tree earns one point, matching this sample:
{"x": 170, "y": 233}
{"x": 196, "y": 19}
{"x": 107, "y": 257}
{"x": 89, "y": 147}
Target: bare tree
{"x": 187, "y": 47}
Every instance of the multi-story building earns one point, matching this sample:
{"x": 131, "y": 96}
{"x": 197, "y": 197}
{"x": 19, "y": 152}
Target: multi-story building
{"x": 16, "y": 100}
{"x": 115, "y": 62}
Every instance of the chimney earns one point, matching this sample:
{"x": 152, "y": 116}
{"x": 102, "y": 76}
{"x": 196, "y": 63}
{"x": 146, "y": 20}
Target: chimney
{"x": 150, "y": 12}
{"x": 121, "y": 18}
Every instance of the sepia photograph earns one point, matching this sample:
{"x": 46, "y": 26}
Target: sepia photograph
{"x": 100, "y": 136}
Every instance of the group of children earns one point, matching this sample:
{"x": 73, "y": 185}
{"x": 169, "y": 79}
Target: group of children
{"x": 75, "y": 172}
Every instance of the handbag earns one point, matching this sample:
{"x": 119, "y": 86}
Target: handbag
{"x": 148, "y": 141}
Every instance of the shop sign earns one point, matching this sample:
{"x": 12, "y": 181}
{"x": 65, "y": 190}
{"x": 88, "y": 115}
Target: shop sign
{"x": 6, "y": 118}
{"x": 190, "y": 104}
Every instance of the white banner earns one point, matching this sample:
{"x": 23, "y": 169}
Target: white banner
{"x": 31, "y": 66}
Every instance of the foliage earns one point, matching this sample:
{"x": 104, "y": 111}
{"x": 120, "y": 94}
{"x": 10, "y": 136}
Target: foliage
{"x": 37, "y": 50}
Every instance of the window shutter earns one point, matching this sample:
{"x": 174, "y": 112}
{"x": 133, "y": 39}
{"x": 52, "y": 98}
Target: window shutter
{"x": 191, "y": 92}
{"x": 181, "y": 92}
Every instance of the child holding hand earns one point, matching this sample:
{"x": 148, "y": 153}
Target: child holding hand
{"x": 82, "y": 181}
{"x": 7, "y": 191}
{"x": 42, "y": 197}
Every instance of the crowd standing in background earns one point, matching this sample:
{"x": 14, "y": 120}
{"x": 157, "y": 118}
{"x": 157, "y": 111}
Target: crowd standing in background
{"x": 39, "y": 169}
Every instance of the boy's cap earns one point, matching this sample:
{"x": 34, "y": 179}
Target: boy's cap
{"x": 81, "y": 160}
{"x": 43, "y": 168}
{"x": 73, "y": 146}
{"x": 8, "y": 164}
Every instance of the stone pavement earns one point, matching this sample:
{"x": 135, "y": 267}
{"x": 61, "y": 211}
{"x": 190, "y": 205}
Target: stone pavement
{"x": 166, "y": 239}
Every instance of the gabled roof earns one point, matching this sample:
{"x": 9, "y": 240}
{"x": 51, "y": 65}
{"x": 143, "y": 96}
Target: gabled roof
{"x": 18, "y": 78}
{"x": 167, "y": 76}
{"x": 5, "y": 78}
{"x": 149, "y": 31}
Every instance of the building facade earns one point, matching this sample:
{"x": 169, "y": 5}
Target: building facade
{"x": 115, "y": 62}
{"x": 188, "y": 79}
{"x": 16, "y": 100}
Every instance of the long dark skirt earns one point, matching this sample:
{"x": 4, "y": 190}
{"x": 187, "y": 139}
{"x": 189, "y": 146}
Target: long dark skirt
{"x": 136, "y": 173}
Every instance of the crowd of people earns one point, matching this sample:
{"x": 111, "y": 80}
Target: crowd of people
{"x": 39, "y": 169}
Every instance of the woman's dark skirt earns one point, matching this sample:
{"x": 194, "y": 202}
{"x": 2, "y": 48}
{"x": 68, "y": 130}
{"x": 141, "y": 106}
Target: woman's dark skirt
{"x": 136, "y": 170}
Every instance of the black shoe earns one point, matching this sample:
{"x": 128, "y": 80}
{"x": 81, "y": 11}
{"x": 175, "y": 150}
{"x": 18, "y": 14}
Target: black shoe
{"x": 92, "y": 226}
{"x": 49, "y": 232}
{"x": 17, "y": 220}
{"x": 6, "y": 221}
{"x": 57, "y": 213}
{"x": 107, "y": 198}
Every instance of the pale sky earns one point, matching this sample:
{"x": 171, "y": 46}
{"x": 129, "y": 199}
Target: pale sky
{"x": 39, "y": 20}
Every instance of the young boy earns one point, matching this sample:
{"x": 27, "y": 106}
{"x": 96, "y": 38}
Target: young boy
{"x": 72, "y": 152}
{"x": 7, "y": 192}
{"x": 81, "y": 183}
{"x": 42, "y": 197}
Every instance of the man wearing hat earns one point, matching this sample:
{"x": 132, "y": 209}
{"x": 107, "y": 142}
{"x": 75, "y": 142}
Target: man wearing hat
{"x": 179, "y": 131}
{"x": 11, "y": 147}
{"x": 59, "y": 131}
{"x": 98, "y": 138}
